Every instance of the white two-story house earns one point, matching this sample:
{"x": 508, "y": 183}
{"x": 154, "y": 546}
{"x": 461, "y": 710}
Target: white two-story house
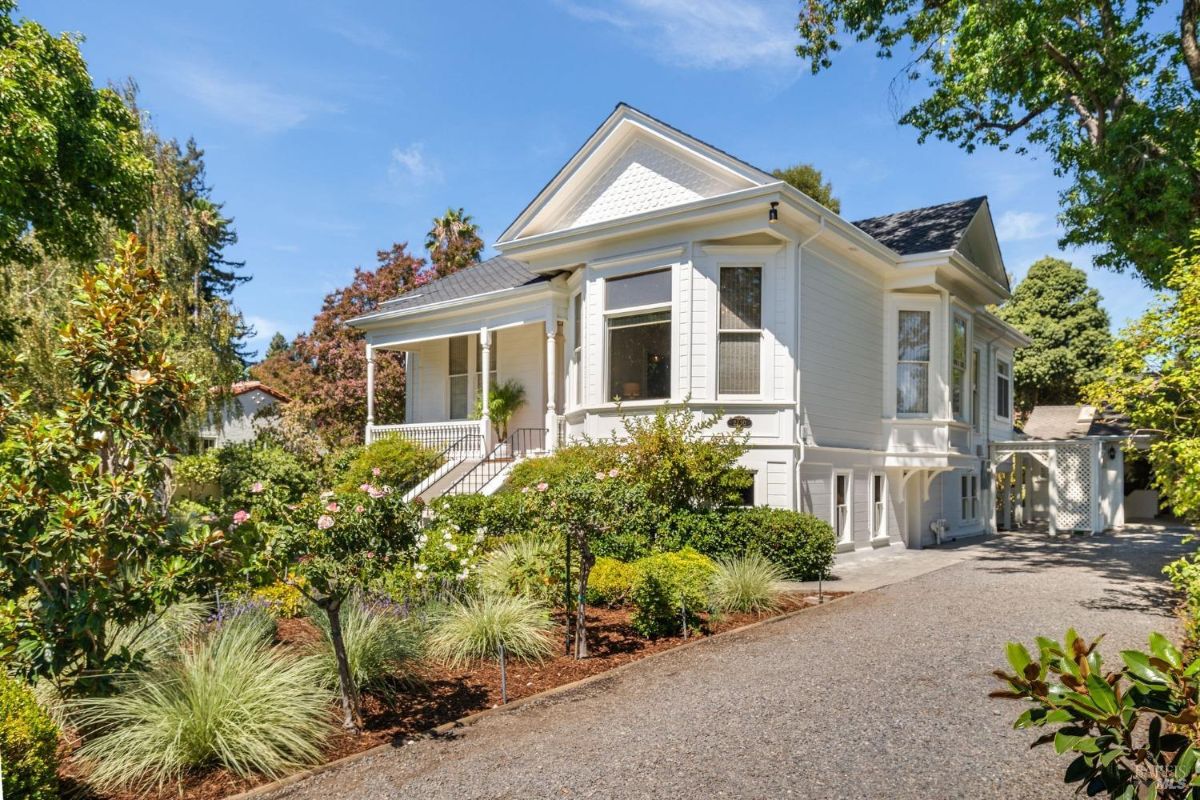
{"x": 858, "y": 357}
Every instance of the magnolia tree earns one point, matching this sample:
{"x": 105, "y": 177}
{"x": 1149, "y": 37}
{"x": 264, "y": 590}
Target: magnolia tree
{"x": 85, "y": 543}
{"x": 334, "y": 544}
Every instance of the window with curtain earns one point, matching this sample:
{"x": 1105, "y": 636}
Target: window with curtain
{"x": 841, "y": 506}
{"x": 460, "y": 381}
{"x": 1003, "y": 389}
{"x": 912, "y": 363}
{"x": 577, "y": 345}
{"x": 739, "y": 331}
{"x": 975, "y": 358}
{"x": 958, "y": 368}
{"x": 638, "y": 322}
{"x": 877, "y": 505}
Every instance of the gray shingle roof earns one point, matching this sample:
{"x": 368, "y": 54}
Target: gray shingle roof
{"x": 923, "y": 230}
{"x": 1073, "y": 422}
{"x": 493, "y": 275}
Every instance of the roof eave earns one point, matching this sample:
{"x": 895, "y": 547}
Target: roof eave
{"x": 369, "y": 320}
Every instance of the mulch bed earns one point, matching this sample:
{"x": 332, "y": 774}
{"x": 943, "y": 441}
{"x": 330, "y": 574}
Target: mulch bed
{"x": 446, "y": 695}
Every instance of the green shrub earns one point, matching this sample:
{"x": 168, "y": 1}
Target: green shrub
{"x": 228, "y": 699}
{"x": 283, "y": 600}
{"x": 473, "y": 630}
{"x": 526, "y": 565}
{"x": 239, "y": 476}
{"x": 801, "y": 544}
{"x": 382, "y": 644}
{"x": 748, "y": 583}
{"x": 1185, "y": 575}
{"x": 572, "y": 460}
{"x": 669, "y": 586}
{"x": 394, "y": 462}
{"x": 28, "y": 744}
{"x": 503, "y": 514}
{"x": 610, "y": 582}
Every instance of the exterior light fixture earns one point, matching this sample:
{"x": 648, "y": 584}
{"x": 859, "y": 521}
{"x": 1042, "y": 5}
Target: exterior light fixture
{"x": 773, "y": 214}
{"x": 1112, "y": 453}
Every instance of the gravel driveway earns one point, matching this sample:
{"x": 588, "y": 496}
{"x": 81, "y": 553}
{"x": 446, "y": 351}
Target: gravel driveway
{"x": 882, "y": 694}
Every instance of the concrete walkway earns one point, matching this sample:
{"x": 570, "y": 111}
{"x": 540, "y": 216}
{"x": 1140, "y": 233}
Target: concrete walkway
{"x": 882, "y": 694}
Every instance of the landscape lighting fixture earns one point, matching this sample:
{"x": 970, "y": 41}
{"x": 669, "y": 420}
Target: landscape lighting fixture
{"x": 773, "y": 214}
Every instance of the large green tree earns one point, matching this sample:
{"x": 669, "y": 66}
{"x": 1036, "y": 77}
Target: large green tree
{"x": 811, "y": 181}
{"x": 1054, "y": 306}
{"x": 453, "y": 242}
{"x": 1153, "y": 375}
{"x": 71, "y": 155}
{"x": 1110, "y": 90}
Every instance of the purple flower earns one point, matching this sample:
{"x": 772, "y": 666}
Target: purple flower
{"x": 324, "y": 522}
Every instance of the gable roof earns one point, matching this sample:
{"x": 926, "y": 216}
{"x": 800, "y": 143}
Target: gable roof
{"x": 242, "y": 387}
{"x": 607, "y": 143}
{"x": 923, "y": 230}
{"x": 1073, "y": 422}
{"x": 494, "y": 275}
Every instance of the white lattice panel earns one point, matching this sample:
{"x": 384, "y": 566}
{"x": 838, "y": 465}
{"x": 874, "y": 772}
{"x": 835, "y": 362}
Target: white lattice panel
{"x": 1074, "y": 478}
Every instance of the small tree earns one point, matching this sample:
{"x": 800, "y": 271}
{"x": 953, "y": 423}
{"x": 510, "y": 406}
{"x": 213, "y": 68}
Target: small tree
{"x": 503, "y": 401}
{"x": 84, "y": 536}
{"x": 332, "y": 545}
{"x": 811, "y": 181}
{"x": 453, "y": 242}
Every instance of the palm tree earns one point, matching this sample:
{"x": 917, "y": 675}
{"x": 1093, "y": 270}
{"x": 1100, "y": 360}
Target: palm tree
{"x": 453, "y": 242}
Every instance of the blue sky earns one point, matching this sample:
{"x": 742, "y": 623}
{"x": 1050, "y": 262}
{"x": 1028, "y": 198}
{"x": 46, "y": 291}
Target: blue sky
{"x": 335, "y": 129}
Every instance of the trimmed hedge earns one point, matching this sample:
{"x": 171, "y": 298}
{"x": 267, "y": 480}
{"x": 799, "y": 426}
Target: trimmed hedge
{"x": 610, "y": 582}
{"x": 803, "y": 545}
{"x": 668, "y": 586}
{"x": 28, "y": 744}
{"x": 393, "y": 462}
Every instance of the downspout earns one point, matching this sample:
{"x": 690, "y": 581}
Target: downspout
{"x": 798, "y": 423}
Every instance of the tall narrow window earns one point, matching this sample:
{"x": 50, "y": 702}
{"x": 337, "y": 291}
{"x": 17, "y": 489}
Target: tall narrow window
{"x": 460, "y": 380}
{"x": 975, "y": 358}
{"x": 877, "y": 506}
{"x": 912, "y": 363}
{"x": 958, "y": 368}
{"x": 638, "y": 320}
{"x": 577, "y": 344}
{"x": 739, "y": 331}
{"x": 841, "y": 505}
{"x": 1003, "y": 389}
{"x": 970, "y": 497}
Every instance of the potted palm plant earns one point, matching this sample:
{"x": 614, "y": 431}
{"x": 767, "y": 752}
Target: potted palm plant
{"x": 503, "y": 401}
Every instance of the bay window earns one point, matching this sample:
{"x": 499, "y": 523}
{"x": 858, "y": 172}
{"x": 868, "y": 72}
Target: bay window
{"x": 577, "y": 346}
{"x": 637, "y": 310}
{"x": 958, "y": 368}
{"x": 912, "y": 363}
{"x": 739, "y": 331}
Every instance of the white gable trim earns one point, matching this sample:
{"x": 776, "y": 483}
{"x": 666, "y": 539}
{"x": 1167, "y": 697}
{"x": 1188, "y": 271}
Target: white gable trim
{"x": 622, "y": 128}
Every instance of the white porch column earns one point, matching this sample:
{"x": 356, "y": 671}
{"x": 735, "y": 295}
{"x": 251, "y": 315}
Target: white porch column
{"x": 1052, "y": 483}
{"x": 485, "y": 422}
{"x": 551, "y": 384}
{"x": 370, "y": 391}
{"x": 1027, "y": 504}
{"x": 1096, "y": 469}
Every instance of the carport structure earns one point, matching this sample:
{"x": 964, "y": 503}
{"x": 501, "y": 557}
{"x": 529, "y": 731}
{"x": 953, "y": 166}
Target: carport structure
{"x": 1068, "y": 472}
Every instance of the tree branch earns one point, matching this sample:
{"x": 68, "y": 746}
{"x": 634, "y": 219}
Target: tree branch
{"x": 1011, "y": 127}
{"x": 1187, "y": 40}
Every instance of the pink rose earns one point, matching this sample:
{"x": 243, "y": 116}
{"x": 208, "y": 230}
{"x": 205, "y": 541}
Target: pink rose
{"x": 376, "y": 471}
{"x": 324, "y": 522}
{"x": 365, "y": 487}
{"x": 256, "y": 487}
{"x": 375, "y": 493}
{"x": 332, "y": 508}
{"x": 543, "y": 486}
{"x": 358, "y": 509}
{"x": 240, "y": 516}
{"x": 614, "y": 472}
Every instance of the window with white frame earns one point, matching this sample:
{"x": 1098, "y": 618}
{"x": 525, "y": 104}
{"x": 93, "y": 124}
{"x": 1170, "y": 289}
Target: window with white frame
{"x": 739, "y": 331}
{"x": 878, "y": 495}
{"x": 1003, "y": 389}
{"x": 577, "y": 345}
{"x": 958, "y": 368}
{"x": 976, "y": 357}
{"x": 912, "y": 363}
{"x": 460, "y": 378}
{"x": 637, "y": 311}
{"x": 970, "y": 497}
{"x": 841, "y": 506}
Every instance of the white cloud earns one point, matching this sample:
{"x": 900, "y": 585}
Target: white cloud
{"x": 251, "y": 104}
{"x": 1020, "y": 226}
{"x": 364, "y": 35}
{"x": 264, "y": 329}
{"x": 410, "y": 166}
{"x": 703, "y": 34}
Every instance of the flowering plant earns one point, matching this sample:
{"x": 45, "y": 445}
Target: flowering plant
{"x": 445, "y": 560}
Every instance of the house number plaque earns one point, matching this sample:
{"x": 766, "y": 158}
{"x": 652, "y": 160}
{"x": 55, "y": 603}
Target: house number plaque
{"x": 739, "y": 423}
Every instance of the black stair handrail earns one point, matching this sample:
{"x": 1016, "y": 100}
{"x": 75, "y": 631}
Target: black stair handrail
{"x": 518, "y": 443}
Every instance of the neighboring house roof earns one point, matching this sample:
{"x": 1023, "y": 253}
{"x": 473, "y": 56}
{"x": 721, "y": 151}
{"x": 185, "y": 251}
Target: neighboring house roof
{"x": 923, "y": 230}
{"x": 242, "y": 387}
{"x": 1074, "y": 422}
{"x": 494, "y": 275}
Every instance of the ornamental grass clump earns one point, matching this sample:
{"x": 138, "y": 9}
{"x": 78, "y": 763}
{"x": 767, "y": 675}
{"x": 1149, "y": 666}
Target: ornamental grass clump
{"x": 228, "y": 699}
{"x": 746, "y": 584}
{"x": 383, "y": 644}
{"x": 525, "y": 565}
{"x": 497, "y": 627}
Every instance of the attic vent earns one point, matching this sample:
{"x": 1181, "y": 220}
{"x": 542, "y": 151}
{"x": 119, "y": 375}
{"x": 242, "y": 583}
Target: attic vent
{"x": 1086, "y": 414}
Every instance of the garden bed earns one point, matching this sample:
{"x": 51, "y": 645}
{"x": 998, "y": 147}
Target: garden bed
{"x": 446, "y": 695}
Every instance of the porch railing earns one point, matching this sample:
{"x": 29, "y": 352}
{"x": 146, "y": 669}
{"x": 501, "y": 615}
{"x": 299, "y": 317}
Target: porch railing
{"x": 462, "y": 438}
{"x": 520, "y": 443}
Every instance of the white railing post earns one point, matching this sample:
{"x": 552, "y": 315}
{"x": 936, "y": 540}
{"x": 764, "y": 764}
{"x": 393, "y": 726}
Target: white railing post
{"x": 485, "y": 422}
{"x": 370, "y": 391}
{"x": 551, "y": 381}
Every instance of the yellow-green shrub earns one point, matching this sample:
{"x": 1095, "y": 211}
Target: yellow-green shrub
{"x": 284, "y": 600}
{"x": 610, "y": 582}
{"x": 28, "y": 741}
{"x": 668, "y": 587}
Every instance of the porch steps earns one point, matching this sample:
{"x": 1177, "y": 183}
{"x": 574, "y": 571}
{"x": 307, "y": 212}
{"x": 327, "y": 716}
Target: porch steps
{"x": 447, "y": 479}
